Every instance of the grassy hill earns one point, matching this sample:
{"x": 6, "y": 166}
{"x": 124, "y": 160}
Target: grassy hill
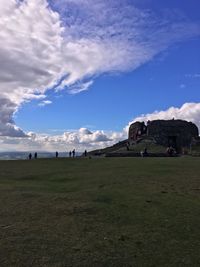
{"x": 100, "y": 212}
{"x": 136, "y": 148}
{"x": 145, "y": 142}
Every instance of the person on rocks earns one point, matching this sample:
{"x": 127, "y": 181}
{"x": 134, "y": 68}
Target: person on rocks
{"x": 145, "y": 154}
{"x": 127, "y": 146}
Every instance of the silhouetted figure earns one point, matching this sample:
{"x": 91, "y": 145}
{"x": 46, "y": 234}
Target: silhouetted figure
{"x": 73, "y": 153}
{"x": 35, "y": 156}
{"x": 145, "y": 154}
{"x": 127, "y": 146}
{"x": 30, "y": 156}
{"x": 70, "y": 154}
{"x": 56, "y": 154}
{"x": 85, "y": 153}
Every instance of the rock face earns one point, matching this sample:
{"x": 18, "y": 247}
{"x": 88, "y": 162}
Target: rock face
{"x": 136, "y": 130}
{"x": 176, "y": 133}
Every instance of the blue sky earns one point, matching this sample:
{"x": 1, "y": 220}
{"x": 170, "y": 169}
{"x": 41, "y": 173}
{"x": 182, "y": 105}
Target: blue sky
{"x": 118, "y": 61}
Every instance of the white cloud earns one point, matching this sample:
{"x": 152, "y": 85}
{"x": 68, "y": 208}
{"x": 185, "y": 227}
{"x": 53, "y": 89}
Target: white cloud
{"x": 7, "y": 126}
{"x": 80, "y": 140}
{"x": 44, "y": 103}
{"x": 84, "y": 136}
{"x": 188, "y": 112}
{"x": 79, "y": 87}
{"x": 40, "y": 47}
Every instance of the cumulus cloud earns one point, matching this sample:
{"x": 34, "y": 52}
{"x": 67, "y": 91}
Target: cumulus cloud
{"x": 188, "y": 112}
{"x": 80, "y": 140}
{"x": 7, "y": 125}
{"x": 65, "y": 44}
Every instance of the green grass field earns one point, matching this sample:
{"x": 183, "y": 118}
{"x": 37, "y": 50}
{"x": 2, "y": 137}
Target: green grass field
{"x": 100, "y": 212}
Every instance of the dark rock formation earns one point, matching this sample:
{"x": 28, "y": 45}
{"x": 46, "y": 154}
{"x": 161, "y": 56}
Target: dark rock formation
{"x": 176, "y": 133}
{"x": 136, "y": 130}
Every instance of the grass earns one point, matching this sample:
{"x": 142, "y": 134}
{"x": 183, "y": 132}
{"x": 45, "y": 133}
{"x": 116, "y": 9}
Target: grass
{"x": 100, "y": 212}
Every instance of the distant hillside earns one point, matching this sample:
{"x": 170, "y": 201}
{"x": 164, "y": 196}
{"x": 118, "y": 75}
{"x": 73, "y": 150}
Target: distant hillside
{"x": 121, "y": 147}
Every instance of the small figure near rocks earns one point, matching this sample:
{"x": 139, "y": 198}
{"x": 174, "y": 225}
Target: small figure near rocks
{"x": 30, "y": 156}
{"x": 73, "y": 153}
{"x": 35, "y": 155}
{"x": 127, "y": 146}
{"x": 85, "y": 153}
{"x": 145, "y": 152}
{"x": 170, "y": 151}
{"x": 56, "y": 154}
{"x": 70, "y": 154}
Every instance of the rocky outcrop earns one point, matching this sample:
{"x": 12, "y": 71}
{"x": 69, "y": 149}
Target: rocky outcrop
{"x": 136, "y": 130}
{"x": 176, "y": 133}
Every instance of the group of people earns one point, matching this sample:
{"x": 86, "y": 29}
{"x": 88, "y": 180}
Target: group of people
{"x": 72, "y": 153}
{"x": 30, "y": 156}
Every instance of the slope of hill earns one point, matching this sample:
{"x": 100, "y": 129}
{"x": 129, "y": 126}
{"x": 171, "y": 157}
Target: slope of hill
{"x": 121, "y": 149}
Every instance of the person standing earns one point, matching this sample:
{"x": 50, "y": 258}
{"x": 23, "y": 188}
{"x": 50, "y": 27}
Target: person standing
{"x": 73, "y": 153}
{"x": 56, "y": 154}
